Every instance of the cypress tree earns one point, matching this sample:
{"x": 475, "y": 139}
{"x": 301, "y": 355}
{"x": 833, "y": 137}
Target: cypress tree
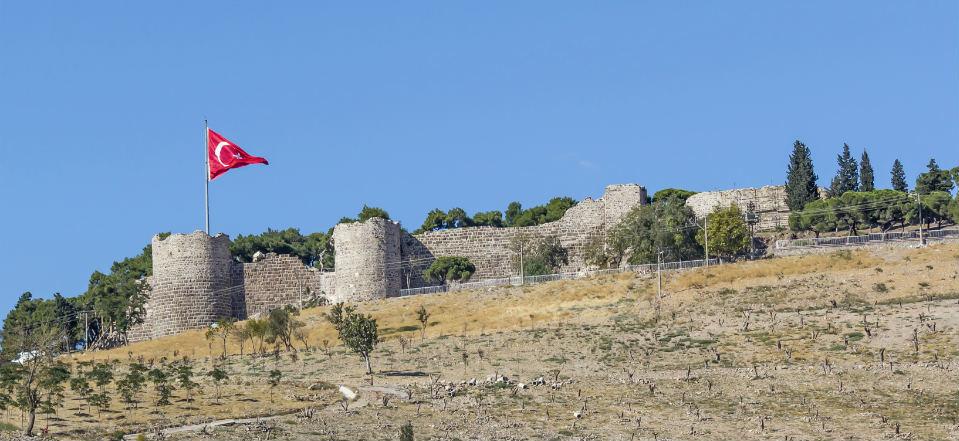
{"x": 847, "y": 177}
{"x": 800, "y": 178}
{"x": 899, "y": 177}
{"x": 867, "y": 181}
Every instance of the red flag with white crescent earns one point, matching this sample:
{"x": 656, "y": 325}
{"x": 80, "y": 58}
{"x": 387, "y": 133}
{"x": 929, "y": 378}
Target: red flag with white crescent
{"x": 224, "y": 155}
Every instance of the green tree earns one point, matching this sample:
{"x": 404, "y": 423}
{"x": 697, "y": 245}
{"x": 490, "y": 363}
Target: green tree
{"x": 892, "y": 208}
{"x": 161, "y": 386}
{"x": 435, "y": 220}
{"x": 217, "y": 375}
{"x": 665, "y": 226}
{"x": 274, "y": 379}
{"x": 368, "y": 212}
{"x": 512, "y": 213}
{"x": 867, "y": 178}
{"x": 314, "y": 250}
{"x": 899, "y": 177}
{"x": 51, "y": 384}
{"x": 667, "y": 193}
{"x": 847, "y": 177}
{"x": 184, "y": 377}
{"x": 801, "y": 187}
{"x": 457, "y": 218}
{"x": 546, "y": 256}
{"x": 728, "y": 233}
{"x": 357, "y": 331}
{"x": 80, "y": 384}
{"x": 935, "y": 208}
{"x": 131, "y": 385}
{"x": 282, "y": 326}
{"x": 935, "y": 179}
{"x": 449, "y": 269}
{"x": 221, "y": 331}
{"x": 488, "y": 219}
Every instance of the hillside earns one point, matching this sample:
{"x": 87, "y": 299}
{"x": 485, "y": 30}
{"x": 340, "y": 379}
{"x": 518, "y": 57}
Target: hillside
{"x": 784, "y": 348}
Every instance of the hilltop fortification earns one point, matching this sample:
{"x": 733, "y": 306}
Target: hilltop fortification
{"x": 195, "y": 281}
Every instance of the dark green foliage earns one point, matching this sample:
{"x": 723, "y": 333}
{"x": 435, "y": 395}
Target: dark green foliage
{"x": 899, "y": 177}
{"x": 728, "y": 233}
{"x": 282, "y": 326}
{"x": 80, "y": 384}
{"x": 218, "y": 375}
{"x": 935, "y": 208}
{"x": 488, "y": 219}
{"x": 184, "y": 377}
{"x": 867, "y": 178}
{"x": 357, "y": 331}
{"x": 435, "y": 220}
{"x": 667, "y": 193}
{"x": 310, "y": 248}
{"x": 450, "y": 269}
{"x": 935, "y": 179}
{"x": 512, "y": 212}
{"x": 273, "y": 378}
{"x": 406, "y": 432}
{"x": 801, "y": 179}
{"x": 130, "y": 386}
{"x": 847, "y": 177}
{"x": 879, "y": 208}
{"x": 541, "y": 214}
{"x": 161, "y": 385}
{"x": 367, "y": 213}
{"x": 544, "y": 256}
{"x": 665, "y": 226}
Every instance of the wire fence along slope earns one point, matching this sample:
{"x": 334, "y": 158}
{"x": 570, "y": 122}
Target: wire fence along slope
{"x": 816, "y": 242}
{"x": 528, "y": 280}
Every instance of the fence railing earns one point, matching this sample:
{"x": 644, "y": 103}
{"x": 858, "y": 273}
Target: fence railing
{"x": 529, "y": 280}
{"x": 813, "y": 242}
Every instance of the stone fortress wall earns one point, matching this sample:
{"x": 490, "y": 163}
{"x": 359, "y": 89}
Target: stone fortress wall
{"x": 196, "y": 282}
{"x": 769, "y": 203}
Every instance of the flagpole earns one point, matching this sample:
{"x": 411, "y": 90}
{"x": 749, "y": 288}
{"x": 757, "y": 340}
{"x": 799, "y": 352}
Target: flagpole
{"x": 206, "y": 174}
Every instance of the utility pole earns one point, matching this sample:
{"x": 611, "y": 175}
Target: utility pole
{"x": 86, "y": 331}
{"x": 706, "y": 234}
{"x": 922, "y": 242}
{"x": 522, "y": 269}
{"x": 659, "y": 275}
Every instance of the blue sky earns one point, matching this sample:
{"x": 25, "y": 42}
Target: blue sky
{"x": 416, "y": 105}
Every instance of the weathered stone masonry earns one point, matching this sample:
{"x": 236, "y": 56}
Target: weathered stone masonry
{"x": 769, "y": 203}
{"x": 196, "y": 282}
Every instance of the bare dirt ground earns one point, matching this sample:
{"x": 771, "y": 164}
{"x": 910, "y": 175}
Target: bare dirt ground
{"x": 851, "y": 345}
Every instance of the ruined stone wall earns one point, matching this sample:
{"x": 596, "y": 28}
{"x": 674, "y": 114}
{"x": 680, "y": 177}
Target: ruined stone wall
{"x": 276, "y": 280}
{"x": 769, "y": 203}
{"x": 190, "y": 286}
{"x": 367, "y": 260}
{"x": 491, "y": 250}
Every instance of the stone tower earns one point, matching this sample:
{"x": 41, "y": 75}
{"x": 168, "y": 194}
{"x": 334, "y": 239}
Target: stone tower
{"x": 367, "y": 260}
{"x": 192, "y": 277}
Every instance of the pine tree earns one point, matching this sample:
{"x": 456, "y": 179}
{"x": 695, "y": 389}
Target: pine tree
{"x": 800, "y": 178}
{"x": 936, "y": 179}
{"x": 847, "y": 177}
{"x": 867, "y": 181}
{"x": 899, "y": 177}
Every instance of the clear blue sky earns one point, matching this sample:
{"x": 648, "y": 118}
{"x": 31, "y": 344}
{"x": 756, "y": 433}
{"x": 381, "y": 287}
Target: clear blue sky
{"x": 416, "y": 105}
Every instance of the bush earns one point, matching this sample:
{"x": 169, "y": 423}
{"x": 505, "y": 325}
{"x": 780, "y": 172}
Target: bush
{"x": 450, "y": 268}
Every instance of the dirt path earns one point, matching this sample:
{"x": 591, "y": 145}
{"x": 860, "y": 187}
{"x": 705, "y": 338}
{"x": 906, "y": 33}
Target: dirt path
{"x": 360, "y": 402}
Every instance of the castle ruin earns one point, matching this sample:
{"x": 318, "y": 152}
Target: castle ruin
{"x": 196, "y": 282}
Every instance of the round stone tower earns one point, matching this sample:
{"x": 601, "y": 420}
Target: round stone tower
{"x": 192, "y": 275}
{"x": 367, "y": 260}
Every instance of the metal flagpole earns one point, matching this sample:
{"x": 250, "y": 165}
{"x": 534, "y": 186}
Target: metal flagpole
{"x": 206, "y": 174}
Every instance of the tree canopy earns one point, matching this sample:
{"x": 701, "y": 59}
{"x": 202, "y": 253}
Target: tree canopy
{"x": 801, "y": 179}
{"x": 667, "y": 193}
{"x": 867, "y": 178}
{"x": 728, "y": 233}
{"x": 665, "y": 226}
{"x": 450, "y": 269}
{"x": 899, "y": 177}
{"x": 847, "y": 177}
{"x": 935, "y": 179}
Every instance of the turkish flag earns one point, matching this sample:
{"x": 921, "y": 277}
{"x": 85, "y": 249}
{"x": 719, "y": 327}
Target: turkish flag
{"x": 224, "y": 155}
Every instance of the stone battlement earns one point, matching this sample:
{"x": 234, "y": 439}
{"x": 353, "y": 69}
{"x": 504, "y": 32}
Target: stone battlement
{"x": 196, "y": 282}
{"x": 768, "y": 202}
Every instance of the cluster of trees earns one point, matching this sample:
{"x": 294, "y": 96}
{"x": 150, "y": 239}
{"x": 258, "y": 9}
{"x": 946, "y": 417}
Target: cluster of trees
{"x": 515, "y": 216}
{"x": 539, "y": 255}
{"x": 278, "y": 329}
{"x": 853, "y": 201}
{"x": 112, "y": 304}
{"x": 667, "y": 230}
{"x": 314, "y": 249}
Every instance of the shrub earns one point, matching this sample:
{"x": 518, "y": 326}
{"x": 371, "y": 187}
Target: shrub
{"x": 450, "y": 268}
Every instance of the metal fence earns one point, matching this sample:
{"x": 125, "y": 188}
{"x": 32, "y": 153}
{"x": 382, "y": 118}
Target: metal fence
{"x": 529, "y": 280}
{"x": 815, "y": 242}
